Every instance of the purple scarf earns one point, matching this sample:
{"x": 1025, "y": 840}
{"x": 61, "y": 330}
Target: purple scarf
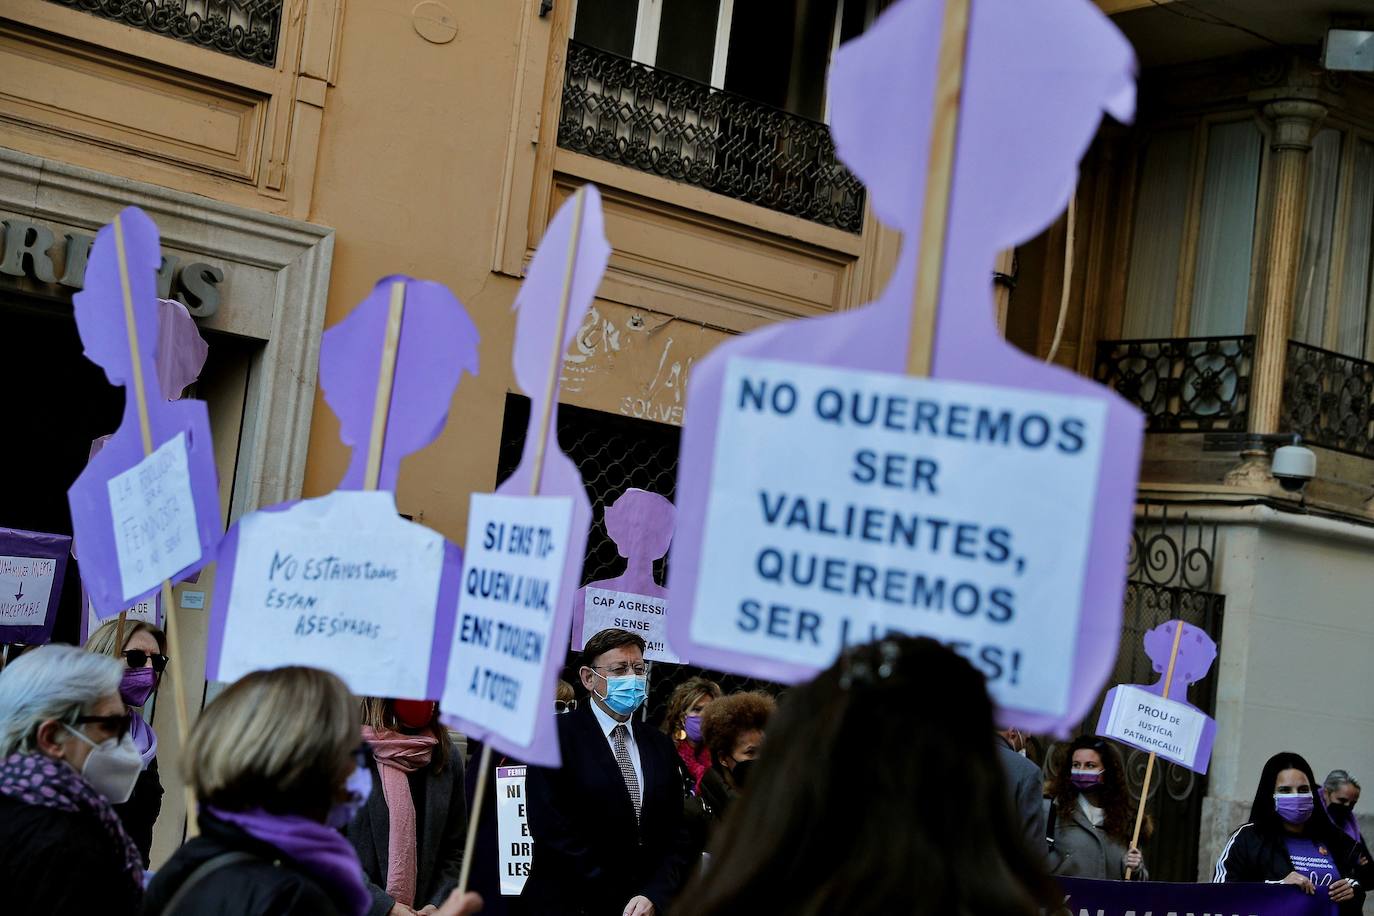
{"x": 145, "y": 739}
{"x": 320, "y": 851}
{"x": 36, "y": 779}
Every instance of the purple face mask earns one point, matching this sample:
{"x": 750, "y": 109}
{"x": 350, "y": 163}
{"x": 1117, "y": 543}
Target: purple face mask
{"x": 136, "y": 685}
{"x": 692, "y": 726}
{"x": 1295, "y": 809}
{"x": 1085, "y": 779}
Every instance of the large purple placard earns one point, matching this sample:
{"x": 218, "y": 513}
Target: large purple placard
{"x": 1136, "y": 898}
{"x": 1044, "y": 79}
{"x": 32, "y": 567}
{"x": 146, "y": 508}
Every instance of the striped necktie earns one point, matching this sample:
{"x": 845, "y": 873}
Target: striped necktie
{"x": 619, "y": 736}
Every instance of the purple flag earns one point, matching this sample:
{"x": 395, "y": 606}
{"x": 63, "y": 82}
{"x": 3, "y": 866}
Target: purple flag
{"x": 32, "y": 567}
{"x": 341, "y": 582}
{"x": 929, "y": 516}
{"x": 1124, "y": 898}
{"x": 140, "y": 518}
{"x": 508, "y": 644}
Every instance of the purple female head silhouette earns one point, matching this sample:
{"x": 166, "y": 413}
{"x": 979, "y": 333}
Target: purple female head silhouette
{"x": 1196, "y": 652}
{"x": 641, "y": 525}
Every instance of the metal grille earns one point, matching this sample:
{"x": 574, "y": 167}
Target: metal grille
{"x": 246, "y": 29}
{"x": 615, "y": 453}
{"x": 1184, "y": 385}
{"x": 1329, "y": 399}
{"x": 1170, "y": 578}
{"x": 648, "y": 119}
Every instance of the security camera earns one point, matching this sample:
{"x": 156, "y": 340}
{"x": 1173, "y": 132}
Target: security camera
{"x": 1293, "y": 466}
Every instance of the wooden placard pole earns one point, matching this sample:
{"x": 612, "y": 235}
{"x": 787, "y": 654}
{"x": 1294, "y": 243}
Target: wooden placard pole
{"x": 536, "y": 478}
{"x": 146, "y": 432}
{"x": 386, "y": 381}
{"x": 944, "y": 137}
{"x": 1150, "y": 764}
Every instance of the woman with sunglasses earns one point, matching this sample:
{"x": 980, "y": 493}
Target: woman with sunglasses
{"x": 144, "y": 655}
{"x": 66, "y": 756}
{"x": 1090, "y": 817}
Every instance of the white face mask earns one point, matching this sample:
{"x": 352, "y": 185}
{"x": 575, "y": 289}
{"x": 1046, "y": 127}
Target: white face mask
{"x": 112, "y": 766}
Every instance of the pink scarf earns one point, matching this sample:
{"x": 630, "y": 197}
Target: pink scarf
{"x": 397, "y": 756}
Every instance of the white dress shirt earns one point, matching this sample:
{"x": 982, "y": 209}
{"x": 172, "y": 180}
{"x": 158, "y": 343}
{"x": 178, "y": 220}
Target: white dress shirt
{"x": 607, "y": 724}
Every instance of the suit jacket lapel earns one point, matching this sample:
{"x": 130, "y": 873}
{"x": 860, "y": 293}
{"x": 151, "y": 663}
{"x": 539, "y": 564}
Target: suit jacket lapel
{"x": 604, "y": 757}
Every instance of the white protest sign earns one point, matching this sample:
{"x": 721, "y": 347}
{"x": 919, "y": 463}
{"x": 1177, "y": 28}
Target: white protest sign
{"x": 340, "y": 582}
{"x": 512, "y": 830}
{"x": 154, "y": 517}
{"x": 848, "y": 504}
{"x": 1147, "y": 721}
{"x": 145, "y": 610}
{"x": 644, "y": 615}
{"x": 512, "y": 572}
{"x": 25, "y": 587}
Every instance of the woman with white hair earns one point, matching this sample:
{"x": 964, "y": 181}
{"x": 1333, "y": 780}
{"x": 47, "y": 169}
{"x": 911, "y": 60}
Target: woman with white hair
{"x": 65, "y": 757}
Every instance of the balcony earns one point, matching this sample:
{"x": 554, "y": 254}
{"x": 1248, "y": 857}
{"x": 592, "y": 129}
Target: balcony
{"x": 246, "y": 29}
{"x": 655, "y": 121}
{"x": 1328, "y": 398}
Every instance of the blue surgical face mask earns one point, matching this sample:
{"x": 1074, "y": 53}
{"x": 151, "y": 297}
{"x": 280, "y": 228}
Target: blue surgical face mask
{"x": 625, "y": 693}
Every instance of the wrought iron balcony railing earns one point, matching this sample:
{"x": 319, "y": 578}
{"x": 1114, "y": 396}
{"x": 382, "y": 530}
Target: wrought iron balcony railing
{"x": 1184, "y": 385}
{"x": 1328, "y": 398}
{"x": 648, "y": 119}
{"x": 246, "y": 29}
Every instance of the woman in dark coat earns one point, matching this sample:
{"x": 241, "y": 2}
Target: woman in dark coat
{"x": 144, "y": 656}
{"x": 409, "y": 836}
{"x": 62, "y": 847}
{"x": 1090, "y": 817}
{"x": 1290, "y": 840}
{"x": 732, "y": 728}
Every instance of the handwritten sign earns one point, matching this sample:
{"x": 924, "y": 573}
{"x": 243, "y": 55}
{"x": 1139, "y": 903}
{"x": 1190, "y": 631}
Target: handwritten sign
{"x": 341, "y": 583}
{"x": 33, "y": 565}
{"x": 503, "y": 636}
{"x": 642, "y": 614}
{"x": 948, "y": 510}
{"x": 154, "y": 518}
{"x": 512, "y": 830}
{"x": 149, "y": 610}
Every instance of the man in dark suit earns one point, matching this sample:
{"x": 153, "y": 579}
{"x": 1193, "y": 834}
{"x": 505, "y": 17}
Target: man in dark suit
{"x": 607, "y": 825}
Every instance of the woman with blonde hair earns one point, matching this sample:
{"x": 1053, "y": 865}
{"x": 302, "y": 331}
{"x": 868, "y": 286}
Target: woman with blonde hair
{"x": 409, "y": 836}
{"x": 143, "y": 658}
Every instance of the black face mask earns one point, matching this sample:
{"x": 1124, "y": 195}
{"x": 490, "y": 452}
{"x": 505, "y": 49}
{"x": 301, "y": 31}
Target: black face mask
{"x": 1339, "y": 812}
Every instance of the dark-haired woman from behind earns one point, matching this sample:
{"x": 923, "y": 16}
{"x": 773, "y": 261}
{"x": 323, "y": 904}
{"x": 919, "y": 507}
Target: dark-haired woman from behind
{"x": 1290, "y": 840}
{"x": 903, "y": 842}
{"x": 1090, "y": 819}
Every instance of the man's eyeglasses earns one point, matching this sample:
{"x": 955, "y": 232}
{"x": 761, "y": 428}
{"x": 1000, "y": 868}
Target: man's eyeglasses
{"x": 117, "y": 725}
{"x": 622, "y": 670}
{"x": 562, "y": 706}
{"x": 137, "y": 658}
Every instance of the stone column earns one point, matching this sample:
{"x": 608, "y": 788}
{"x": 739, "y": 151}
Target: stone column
{"x": 1295, "y": 123}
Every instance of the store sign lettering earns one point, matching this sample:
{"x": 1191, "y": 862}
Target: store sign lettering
{"x": 32, "y": 250}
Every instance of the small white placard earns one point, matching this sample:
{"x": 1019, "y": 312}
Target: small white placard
{"x": 512, "y": 830}
{"x": 503, "y": 637}
{"x": 193, "y": 600}
{"x": 154, "y": 518}
{"x": 25, "y": 587}
{"x": 1147, "y": 721}
{"x": 641, "y": 614}
{"x": 342, "y": 583}
{"x": 847, "y": 504}
{"x": 145, "y": 610}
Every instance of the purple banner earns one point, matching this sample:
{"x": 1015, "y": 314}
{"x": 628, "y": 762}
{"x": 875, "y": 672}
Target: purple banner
{"x": 32, "y": 566}
{"x": 1144, "y": 898}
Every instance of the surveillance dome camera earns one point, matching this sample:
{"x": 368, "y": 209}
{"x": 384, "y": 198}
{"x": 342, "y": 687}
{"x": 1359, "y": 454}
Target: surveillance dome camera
{"x": 1293, "y": 466}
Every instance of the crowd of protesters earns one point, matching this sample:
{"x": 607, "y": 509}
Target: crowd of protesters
{"x": 836, "y": 798}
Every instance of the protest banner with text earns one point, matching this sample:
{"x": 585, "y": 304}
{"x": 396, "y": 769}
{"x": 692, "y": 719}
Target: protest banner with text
{"x": 1088, "y": 897}
{"x": 33, "y": 565}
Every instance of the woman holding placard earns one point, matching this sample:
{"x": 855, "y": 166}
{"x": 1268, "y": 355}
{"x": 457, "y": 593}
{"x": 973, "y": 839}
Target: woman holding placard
{"x": 409, "y": 836}
{"x": 144, "y": 655}
{"x": 1089, "y": 819}
{"x": 1290, "y": 840}
{"x": 65, "y": 758}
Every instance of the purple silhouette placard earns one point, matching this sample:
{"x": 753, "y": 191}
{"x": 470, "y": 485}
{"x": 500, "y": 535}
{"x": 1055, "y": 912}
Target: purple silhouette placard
{"x": 526, "y": 543}
{"x": 640, "y": 524}
{"x": 1163, "y": 722}
{"x": 826, "y": 498}
{"x": 146, "y": 508}
{"x": 32, "y": 567}
{"x": 342, "y": 582}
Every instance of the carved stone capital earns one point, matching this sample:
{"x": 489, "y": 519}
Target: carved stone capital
{"x": 1295, "y": 123}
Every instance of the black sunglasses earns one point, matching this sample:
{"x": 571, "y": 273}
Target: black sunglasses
{"x": 562, "y": 706}
{"x": 137, "y": 658}
{"x": 119, "y": 724}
